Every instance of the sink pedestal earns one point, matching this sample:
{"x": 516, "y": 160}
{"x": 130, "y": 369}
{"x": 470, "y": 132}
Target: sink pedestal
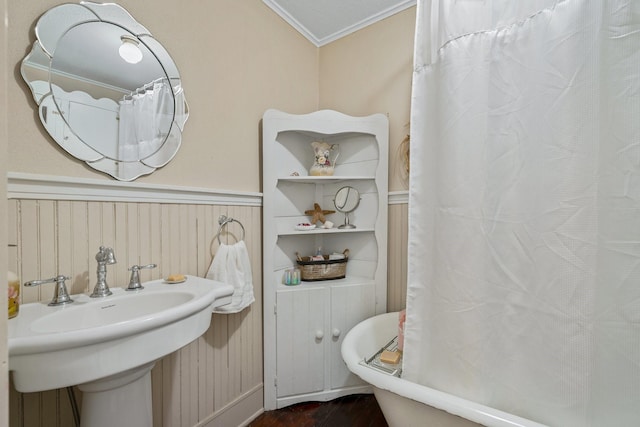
{"x": 123, "y": 399}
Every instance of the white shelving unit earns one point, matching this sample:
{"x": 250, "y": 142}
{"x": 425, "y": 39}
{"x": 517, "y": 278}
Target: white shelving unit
{"x": 304, "y": 324}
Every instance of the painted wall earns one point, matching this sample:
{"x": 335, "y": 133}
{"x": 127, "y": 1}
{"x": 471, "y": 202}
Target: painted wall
{"x": 370, "y": 71}
{"x": 236, "y": 59}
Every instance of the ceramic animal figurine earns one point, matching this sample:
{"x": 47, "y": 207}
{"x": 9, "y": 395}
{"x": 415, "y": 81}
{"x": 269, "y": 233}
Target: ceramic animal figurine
{"x": 323, "y": 164}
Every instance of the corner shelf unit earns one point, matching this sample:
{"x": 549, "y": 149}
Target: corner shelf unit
{"x": 304, "y": 324}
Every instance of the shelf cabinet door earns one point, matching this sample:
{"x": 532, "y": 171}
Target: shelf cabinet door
{"x": 300, "y": 330}
{"x": 350, "y": 304}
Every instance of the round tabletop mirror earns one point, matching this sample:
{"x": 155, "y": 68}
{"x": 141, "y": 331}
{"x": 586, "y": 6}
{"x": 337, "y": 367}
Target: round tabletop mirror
{"x": 346, "y": 201}
{"x": 107, "y": 92}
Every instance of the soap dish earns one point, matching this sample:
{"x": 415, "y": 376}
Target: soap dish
{"x": 374, "y": 362}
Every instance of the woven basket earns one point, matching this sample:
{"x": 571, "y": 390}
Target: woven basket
{"x": 313, "y": 271}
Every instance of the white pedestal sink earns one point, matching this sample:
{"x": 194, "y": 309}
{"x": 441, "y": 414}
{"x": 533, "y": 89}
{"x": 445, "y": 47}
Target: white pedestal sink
{"x": 108, "y": 345}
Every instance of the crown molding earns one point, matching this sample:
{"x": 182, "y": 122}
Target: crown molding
{"x": 321, "y": 41}
{"x": 366, "y": 22}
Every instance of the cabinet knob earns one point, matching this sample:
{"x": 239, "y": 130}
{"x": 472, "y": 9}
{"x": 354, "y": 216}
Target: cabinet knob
{"x": 336, "y": 332}
{"x": 319, "y": 335}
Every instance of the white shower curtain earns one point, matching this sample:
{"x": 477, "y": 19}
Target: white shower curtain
{"x": 145, "y": 120}
{"x": 524, "y": 216}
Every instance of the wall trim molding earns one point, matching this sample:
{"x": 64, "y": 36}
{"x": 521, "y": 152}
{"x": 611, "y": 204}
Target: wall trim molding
{"x": 49, "y": 187}
{"x": 399, "y": 197}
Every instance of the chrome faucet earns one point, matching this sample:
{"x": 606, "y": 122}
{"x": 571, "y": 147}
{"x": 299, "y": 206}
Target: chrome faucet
{"x": 104, "y": 257}
{"x": 134, "y": 281}
{"x": 60, "y": 294}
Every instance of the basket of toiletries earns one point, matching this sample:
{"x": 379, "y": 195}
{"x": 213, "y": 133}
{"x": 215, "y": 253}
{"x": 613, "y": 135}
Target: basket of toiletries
{"x": 323, "y": 267}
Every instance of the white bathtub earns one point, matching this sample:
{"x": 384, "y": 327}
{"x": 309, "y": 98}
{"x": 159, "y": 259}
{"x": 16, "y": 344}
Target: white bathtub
{"x": 406, "y": 404}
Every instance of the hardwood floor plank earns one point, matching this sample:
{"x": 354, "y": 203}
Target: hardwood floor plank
{"x": 360, "y": 410}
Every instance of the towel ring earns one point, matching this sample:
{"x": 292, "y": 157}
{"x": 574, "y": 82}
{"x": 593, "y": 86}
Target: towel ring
{"x": 223, "y": 220}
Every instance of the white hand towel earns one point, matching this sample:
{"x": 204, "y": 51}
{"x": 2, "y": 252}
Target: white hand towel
{"x": 231, "y": 265}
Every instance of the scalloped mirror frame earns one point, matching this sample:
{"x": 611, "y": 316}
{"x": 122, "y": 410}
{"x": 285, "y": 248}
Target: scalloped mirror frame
{"x": 50, "y": 29}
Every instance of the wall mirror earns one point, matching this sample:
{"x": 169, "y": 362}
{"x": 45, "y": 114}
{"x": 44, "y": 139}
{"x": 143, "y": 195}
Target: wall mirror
{"x": 346, "y": 201}
{"x": 107, "y": 92}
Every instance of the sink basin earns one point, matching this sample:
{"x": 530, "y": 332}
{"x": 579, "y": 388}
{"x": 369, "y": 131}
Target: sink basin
{"x": 95, "y": 338}
{"x": 111, "y": 312}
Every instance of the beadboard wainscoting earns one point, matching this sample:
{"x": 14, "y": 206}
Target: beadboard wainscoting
{"x": 57, "y": 225}
{"x": 214, "y": 381}
{"x": 397, "y": 251}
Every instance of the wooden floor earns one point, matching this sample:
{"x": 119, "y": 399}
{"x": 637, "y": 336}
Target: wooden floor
{"x": 360, "y": 410}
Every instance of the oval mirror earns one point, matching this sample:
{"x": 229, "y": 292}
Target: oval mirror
{"x": 107, "y": 92}
{"x": 346, "y": 201}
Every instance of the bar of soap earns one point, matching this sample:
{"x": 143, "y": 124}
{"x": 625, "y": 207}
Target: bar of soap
{"x": 391, "y": 357}
{"x": 176, "y": 278}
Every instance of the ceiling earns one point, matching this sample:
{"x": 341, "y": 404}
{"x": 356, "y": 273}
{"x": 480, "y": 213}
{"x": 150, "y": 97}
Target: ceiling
{"x": 323, "y": 21}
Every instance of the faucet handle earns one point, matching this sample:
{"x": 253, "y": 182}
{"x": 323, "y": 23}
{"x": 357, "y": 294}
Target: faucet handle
{"x": 134, "y": 281}
{"x": 106, "y": 255}
{"x": 60, "y": 294}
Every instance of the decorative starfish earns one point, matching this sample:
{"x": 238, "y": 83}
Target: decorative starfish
{"x": 317, "y": 214}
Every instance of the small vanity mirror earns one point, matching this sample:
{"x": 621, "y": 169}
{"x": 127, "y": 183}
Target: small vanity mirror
{"x": 107, "y": 92}
{"x": 346, "y": 201}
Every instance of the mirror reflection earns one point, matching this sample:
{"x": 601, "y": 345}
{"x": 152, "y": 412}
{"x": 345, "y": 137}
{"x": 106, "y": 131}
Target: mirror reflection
{"x": 346, "y": 201}
{"x": 107, "y": 91}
